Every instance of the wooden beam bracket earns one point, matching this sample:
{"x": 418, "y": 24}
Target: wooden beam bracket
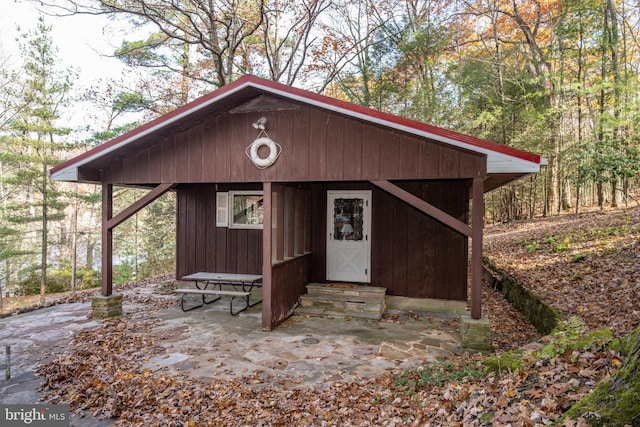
{"x": 474, "y": 233}
{"x": 109, "y": 223}
{"x": 138, "y": 205}
{"x": 425, "y": 207}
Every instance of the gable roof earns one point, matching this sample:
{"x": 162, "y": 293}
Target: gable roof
{"x": 501, "y": 159}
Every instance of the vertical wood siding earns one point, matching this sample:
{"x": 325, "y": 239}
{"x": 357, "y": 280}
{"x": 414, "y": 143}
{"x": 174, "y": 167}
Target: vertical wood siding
{"x": 412, "y": 254}
{"x": 316, "y": 146}
{"x": 201, "y": 246}
{"x": 290, "y": 280}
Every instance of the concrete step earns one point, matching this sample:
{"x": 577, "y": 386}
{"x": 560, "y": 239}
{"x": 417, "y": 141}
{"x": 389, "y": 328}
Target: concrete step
{"x": 345, "y": 289}
{"x": 343, "y": 300}
{"x": 319, "y": 311}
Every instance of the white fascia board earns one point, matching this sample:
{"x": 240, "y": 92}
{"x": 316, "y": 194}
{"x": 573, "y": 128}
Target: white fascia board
{"x": 503, "y": 163}
{"x": 69, "y": 174}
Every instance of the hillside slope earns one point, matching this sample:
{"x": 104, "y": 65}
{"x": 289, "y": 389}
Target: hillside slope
{"x": 588, "y": 267}
{"x": 584, "y": 265}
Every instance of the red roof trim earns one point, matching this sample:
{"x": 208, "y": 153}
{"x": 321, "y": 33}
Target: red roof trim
{"x": 250, "y": 80}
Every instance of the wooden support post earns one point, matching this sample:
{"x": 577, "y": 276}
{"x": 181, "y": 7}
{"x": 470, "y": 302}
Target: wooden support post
{"x": 107, "y": 240}
{"x": 307, "y": 221}
{"x": 278, "y": 219}
{"x": 290, "y": 221}
{"x": 267, "y": 256}
{"x": 476, "y": 248}
{"x": 299, "y": 226}
{"x": 109, "y": 222}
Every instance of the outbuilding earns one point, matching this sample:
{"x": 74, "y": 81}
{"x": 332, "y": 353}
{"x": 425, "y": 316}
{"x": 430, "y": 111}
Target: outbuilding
{"x": 301, "y": 188}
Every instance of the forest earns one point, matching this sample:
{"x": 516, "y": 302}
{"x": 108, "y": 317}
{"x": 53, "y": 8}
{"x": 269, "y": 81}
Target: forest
{"x": 558, "y": 78}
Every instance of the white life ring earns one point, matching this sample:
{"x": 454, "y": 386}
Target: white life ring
{"x": 264, "y": 162}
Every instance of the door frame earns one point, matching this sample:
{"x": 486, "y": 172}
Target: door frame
{"x": 366, "y": 238}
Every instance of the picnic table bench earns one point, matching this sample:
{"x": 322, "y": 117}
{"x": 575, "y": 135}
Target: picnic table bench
{"x": 242, "y": 285}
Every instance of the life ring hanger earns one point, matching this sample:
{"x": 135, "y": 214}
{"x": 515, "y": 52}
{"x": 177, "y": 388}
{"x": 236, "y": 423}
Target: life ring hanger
{"x": 274, "y": 151}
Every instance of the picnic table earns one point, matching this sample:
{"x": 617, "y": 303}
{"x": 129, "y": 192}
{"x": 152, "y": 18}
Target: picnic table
{"x": 210, "y": 284}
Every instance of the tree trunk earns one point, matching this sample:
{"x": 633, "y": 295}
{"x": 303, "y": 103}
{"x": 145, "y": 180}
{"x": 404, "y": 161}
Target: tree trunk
{"x": 613, "y": 48}
{"x": 7, "y": 268}
{"x": 552, "y": 187}
{"x": 615, "y": 194}
{"x": 625, "y": 191}
{"x": 532, "y": 197}
{"x": 43, "y": 259}
{"x": 566, "y": 195}
{"x": 74, "y": 243}
{"x": 600, "y": 191}
{"x": 90, "y": 248}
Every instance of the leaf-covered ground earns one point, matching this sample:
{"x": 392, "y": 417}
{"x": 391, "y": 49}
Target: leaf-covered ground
{"x": 586, "y": 266}
{"x": 102, "y": 373}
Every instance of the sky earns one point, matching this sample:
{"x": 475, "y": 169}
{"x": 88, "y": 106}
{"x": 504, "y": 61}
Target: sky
{"x": 84, "y": 43}
{"x": 81, "y": 40}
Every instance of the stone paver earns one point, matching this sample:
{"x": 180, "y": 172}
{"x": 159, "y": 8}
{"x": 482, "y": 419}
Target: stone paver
{"x": 302, "y": 352}
{"x": 209, "y": 344}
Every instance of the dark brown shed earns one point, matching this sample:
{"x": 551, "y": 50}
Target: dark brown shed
{"x": 301, "y": 188}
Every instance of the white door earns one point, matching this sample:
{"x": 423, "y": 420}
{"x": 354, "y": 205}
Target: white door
{"x": 348, "y": 239}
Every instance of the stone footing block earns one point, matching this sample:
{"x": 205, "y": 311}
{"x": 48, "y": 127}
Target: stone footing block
{"x": 475, "y": 334}
{"x": 106, "y": 306}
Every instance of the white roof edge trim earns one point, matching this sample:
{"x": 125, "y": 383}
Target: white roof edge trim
{"x": 69, "y": 174}
{"x": 504, "y": 163}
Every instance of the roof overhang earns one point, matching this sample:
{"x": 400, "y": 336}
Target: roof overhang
{"x": 501, "y": 159}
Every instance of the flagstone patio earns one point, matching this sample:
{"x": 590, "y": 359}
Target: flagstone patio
{"x": 208, "y": 344}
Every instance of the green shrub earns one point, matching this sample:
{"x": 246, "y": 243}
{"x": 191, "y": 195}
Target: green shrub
{"x": 578, "y": 257}
{"x": 562, "y": 246}
{"x": 156, "y": 266}
{"x": 58, "y": 280}
{"x": 124, "y": 272}
{"x": 532, "y": 247}
{"x": 88, "y": 278}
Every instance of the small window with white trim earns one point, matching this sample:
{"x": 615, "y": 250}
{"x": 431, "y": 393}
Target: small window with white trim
{"x": 246, "y": 209}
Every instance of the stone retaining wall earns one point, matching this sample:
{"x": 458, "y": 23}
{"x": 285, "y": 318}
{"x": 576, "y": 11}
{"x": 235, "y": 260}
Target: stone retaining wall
{"x": 544, "y": 317}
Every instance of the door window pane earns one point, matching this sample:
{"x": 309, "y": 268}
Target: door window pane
{"x": 347, "y": 219}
